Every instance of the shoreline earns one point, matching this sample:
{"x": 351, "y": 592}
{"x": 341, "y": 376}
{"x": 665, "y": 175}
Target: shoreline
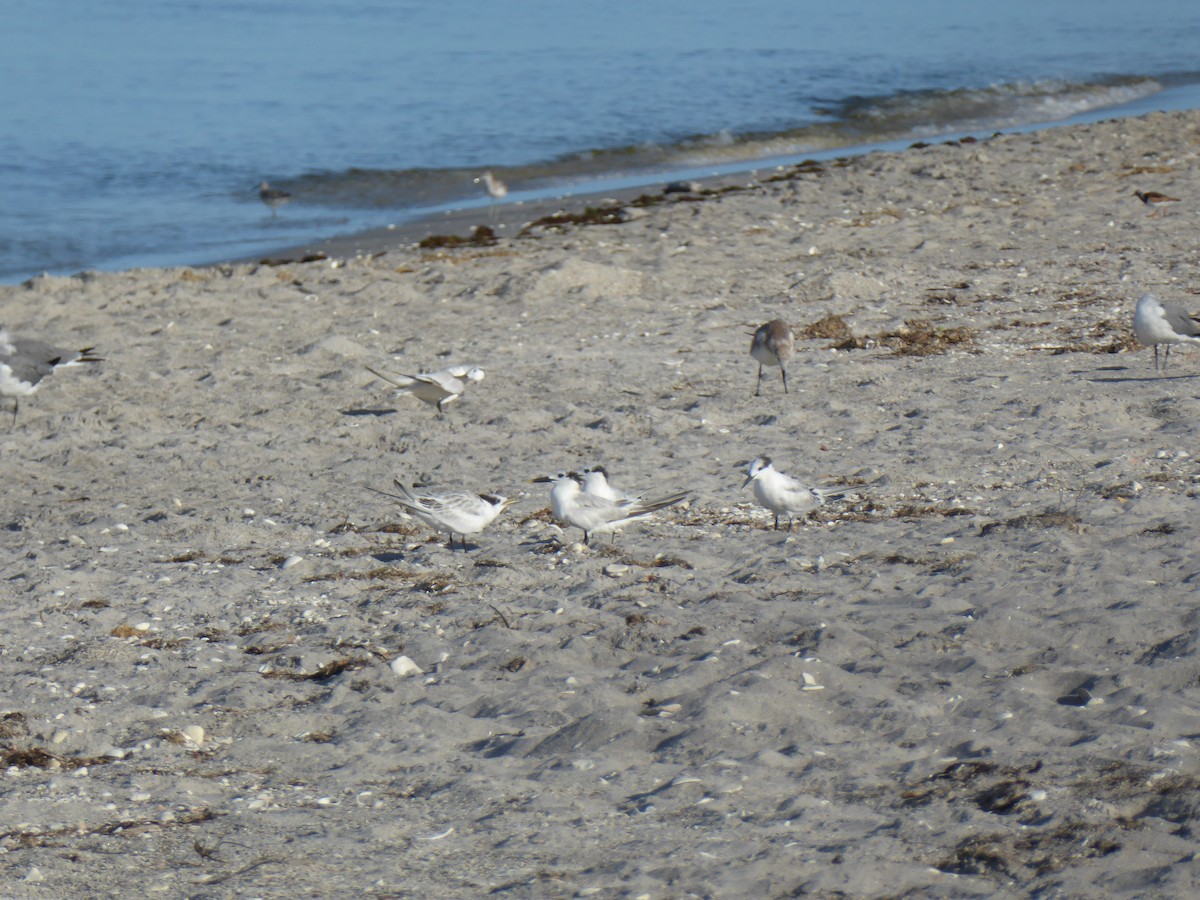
{"x": 511, "y": 217}
{"x": 507, "y": 222}
{"x": 972, "y": 676}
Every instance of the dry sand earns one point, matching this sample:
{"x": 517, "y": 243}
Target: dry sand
{"x": 975, "y": 678}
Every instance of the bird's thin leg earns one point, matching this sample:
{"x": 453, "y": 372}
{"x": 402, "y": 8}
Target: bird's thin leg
{"x": 585, "y": 538}
{"x": 777, "y": 521}
{"x": 758, "y": 384}
{"x": 783, "y": 374}
{"x": 1166, "y": 357}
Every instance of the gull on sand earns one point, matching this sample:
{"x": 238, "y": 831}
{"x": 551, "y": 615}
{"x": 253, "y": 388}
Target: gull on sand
{"x": 24, "y": 362}
{"x": 435, "y": 388}
{"x": 772, "y": 346}
{"x": 452, "y": 512}
{"x": 782, "y": 494}
{"x": 593, "y": 514}
{"x": 1155, "y": 322}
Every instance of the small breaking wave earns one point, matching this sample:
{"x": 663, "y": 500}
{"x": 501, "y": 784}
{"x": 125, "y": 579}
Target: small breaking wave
{"x": 845, "y": 123}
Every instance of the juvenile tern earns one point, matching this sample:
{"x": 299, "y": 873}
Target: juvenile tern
{"x": 454, "y": 512}
{"x": 1155, "y": 322}
{"x": 435, "y": 388}
{"x": 772, "y": 346}
{"x": 593, "y": 514}
{"x": 782, "y": 494}
{"x": 24, "y": 362}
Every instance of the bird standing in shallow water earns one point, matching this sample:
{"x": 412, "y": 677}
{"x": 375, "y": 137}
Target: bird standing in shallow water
{"x": 1156, "y": 201}
{"x": 273, "y": 197}
{"x": 772, "y": 346}
{"x": 1155, "y": 322}
{"x": 782, "y": 494}
{"x": 24, "y": 362}
{"x": 496, "y": 189}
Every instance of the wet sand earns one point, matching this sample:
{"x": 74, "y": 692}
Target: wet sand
{"x": 974, "y": 677}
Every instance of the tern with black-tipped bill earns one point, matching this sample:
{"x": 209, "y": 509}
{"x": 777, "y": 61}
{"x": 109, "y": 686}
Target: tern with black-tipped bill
{"x": 594, "y": 481}
{"x": 435, "y": 388}
{"x": 782, "y": 494}
{"x": 593, "y": 514}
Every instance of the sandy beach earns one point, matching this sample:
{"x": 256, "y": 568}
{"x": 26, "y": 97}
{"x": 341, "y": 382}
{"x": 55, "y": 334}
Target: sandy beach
{"x": 975, "y": 676}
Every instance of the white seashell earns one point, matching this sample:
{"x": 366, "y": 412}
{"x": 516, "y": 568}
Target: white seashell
{"x": 291, "y": 561}
{"x": 614, "y": 570}
{"x": 403, "y": 667}
{"x": 35, "y": 875}
{"x": 194, "y": 734}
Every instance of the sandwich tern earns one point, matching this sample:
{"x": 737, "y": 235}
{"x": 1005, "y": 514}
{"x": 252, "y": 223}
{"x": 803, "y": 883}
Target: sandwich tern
{"x": 782, "y": 494}
{"x": 594, "y": 481}
{"x": 435, "y": 388}
{"x": 593, "y": 514}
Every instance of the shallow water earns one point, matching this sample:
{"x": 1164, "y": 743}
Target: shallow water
{"x": 136, "y": 132}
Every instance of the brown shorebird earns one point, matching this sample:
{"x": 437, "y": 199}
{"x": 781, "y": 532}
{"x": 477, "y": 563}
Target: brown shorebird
{"x": 25, "y": 362}
{"x": 772, "y": 346}
{"x": 273, "y": 197}
{"x": 496, "y": 189}
{"x": 1156, "y": 201}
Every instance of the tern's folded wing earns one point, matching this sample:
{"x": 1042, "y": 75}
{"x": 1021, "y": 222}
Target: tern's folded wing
{"x": 400, "y": 381}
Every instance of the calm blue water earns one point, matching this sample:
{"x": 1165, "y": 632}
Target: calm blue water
{"x": 134, "y": 132}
